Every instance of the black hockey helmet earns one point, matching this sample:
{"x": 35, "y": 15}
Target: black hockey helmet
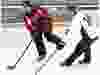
{"x": 28, "y": 3}
{"x": 73, "y": 8}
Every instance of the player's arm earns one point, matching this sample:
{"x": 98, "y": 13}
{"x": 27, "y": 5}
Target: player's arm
{"x": 91, "y": 30}
{"x": 84, "y": 23}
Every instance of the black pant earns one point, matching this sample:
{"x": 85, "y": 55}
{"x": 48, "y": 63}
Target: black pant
{"x": 38, "y": 40}
{"x": 84, "y": 46}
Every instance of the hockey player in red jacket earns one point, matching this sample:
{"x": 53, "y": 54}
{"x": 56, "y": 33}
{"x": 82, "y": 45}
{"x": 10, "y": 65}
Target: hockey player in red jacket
{"x": 38, "y": 25}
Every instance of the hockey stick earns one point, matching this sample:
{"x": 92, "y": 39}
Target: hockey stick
{"x": 46, "y": 62}
{"x": 14, "y": 66}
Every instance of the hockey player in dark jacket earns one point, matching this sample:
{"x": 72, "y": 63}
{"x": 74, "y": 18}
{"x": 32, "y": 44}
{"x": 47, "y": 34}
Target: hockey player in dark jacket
{"x": 38, "y": 25}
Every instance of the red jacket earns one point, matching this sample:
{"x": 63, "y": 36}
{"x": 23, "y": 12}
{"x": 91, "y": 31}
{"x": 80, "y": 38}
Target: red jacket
{"x": 38, "y": 21}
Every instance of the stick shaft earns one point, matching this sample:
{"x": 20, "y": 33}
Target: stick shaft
{"x": 24, "y": 52}
{"x": 46, "y": 62}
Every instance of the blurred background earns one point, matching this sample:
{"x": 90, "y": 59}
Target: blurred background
{"x": 12, "y": 21}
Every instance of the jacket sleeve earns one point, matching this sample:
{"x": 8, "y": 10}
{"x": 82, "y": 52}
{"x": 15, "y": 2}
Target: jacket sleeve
{"x": 91, "y": 30}
{"x": 28, "y": 23}
{"x": 84, "y": 22}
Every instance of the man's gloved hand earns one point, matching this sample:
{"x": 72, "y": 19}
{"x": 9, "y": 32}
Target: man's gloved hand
{"x": 60, "y": 45}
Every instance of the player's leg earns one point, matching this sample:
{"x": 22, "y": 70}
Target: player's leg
{"x": 78, "y": 51}
{"x": 38, "y": 40}
{"x": 87, "y": 50}
{"x": 87, "y": 56}
{"x": 54, "y": 39}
